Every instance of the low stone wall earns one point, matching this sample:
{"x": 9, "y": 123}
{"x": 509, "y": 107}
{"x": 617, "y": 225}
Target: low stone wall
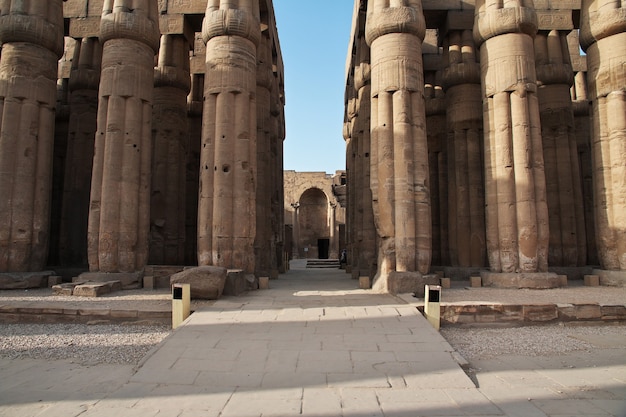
{"x": 460, "y": 314}
{"x": 13, "y": 314}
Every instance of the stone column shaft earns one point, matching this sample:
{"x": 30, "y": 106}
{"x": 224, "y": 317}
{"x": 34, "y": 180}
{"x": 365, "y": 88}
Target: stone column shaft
{"x": 564, "y": 190}
{"x": 464, "y": 118}
{"x": 83, "y": 84}
{"x": 31, "y": 34}
{"x": 264, "y": 244}
{"x": 168, "y": 200}
{"x": 227, "y": 202}
{"x": 603, "y": 36}
{"x": 517, "y": 227}
{"x": 399, "y": 160}
{"x": 119, "y": 217}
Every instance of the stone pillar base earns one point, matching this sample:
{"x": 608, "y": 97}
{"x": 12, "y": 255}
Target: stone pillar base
{"x": 405, "y": 282}
{"x": 129, "y": 280}
{"x": 461, "y": 273}
{"x": 572, "y": 272}
{"x": 611, "y": 278}
{"x": 24, "y": 280}
{"x": 533, "y": 280}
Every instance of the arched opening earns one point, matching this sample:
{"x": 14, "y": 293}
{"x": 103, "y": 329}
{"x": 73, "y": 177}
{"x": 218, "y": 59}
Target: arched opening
{"x": 313, "y": 225}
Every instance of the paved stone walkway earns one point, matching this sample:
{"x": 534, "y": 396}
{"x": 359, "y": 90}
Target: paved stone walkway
{"x": 311, "y": 346}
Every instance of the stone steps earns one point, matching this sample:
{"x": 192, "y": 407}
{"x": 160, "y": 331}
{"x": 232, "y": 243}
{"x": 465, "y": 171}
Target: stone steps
{"x": 323, "y": 263}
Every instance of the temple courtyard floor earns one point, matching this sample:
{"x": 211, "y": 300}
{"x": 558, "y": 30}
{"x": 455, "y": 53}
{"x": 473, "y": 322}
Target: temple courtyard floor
{"x": 315, "y": 345}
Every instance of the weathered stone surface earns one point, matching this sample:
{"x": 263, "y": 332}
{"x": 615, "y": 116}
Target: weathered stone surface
{"x": 409, "y": 282}
{"x": 128, "y": 280}
{"x": 66, "y": 288}
{"x": 24, "y": 280}
{"x": 539, "y": 280}
{"x": 96, "y": 289}
{"x": 611, "y": 278}
{"x": 207, "y": 282}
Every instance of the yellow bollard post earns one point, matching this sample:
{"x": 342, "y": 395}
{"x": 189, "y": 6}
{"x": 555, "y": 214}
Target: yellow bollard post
{"x": 181, "y": 303}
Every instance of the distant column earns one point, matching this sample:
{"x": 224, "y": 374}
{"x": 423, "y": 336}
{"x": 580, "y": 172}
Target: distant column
{"x": 603, "y": 36}
{"x": 466, "y": 198}
{"x": 172, "y": 83}
{"x": 84, "y": 82}
{"x": 563, "y": 185}
{"x": 31, "y": 35}
{"x": 119, "y": 217}
{"x": 516, "y": 208}
{"x": 399, "y": 154}
{"x": 227, "y": 202}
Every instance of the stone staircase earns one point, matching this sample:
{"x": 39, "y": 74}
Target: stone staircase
{"x": 323, "y": 263}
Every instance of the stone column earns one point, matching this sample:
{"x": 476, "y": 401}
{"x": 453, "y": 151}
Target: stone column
{"x": 31, "y": 35}
{"x": 466, "y": 198}
{"x": 83, "y": 85}
{"x": 603, "y": 36}
{"x": 435, "y": 101}
{"x": 296, "y": 230}
{"x": 194, "y": 102}
{"x": 172, "y": 84}
{"x": 264, "y": 244}
{"x": 399, "y": 154}
{"x": 564, "y": 192}
{"x": 515, "y": 185}
{"x": 119, "y": 216}
{"x": 227, "y": 202}
{"x": 333, "y": 252}
{"x": 365, "y": 230}
{"x": 277, "y": 138}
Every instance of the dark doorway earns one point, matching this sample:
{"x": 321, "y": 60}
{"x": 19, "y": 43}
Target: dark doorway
{"x": 322, "y": 248}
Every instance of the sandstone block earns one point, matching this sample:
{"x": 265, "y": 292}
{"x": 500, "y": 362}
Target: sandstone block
{"x": 96, "y": 289}
{"x": 445, "y": 282}
{"x": 207, "y": 282}
{"x": 65, "y": 289}
{"x": 611, "y": 278}
{"x": 410, "y": 282}
{"x": 148, "y": 282}
{"x": 129, "y": 280}
{"x": 538, "y": 280}
{"x": 264, "y": 283}
{"x": 475, "y": 282}
{"x": 364, "y": 283}
{"x": 616, "y": 312}
{"x": 546, "y": 312}
{"x": 235, "y": 282}
{"x": 592, "y": 280}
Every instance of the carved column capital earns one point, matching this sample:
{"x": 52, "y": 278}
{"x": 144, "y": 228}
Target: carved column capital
{"x": 383, "y": 20}
{"x": 231, "y": 22}
{"x": 129, "y": 22}
{"x": 491, "y": 19}
{"x": 33, "y": 22}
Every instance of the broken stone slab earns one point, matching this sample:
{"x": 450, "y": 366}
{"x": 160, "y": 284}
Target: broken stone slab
{"x": 533, "y": 280}
{"x": 96, "y": 289}
{"x": 24, "y": 280}
{"x": 207, "y": 282}
{"x": 66, "y": 288}
{"x": 129, "y": 280}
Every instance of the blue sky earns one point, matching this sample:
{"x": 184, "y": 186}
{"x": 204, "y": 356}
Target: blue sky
{"x": 314, "y": 37}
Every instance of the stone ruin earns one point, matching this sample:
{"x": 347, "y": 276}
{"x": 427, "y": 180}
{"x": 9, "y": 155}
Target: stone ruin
{"x": 137, "y": 133}
{"x": 481, "y": 141}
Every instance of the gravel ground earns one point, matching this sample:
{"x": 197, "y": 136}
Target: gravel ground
{"x": 81, "y": 343}
{"x": 540, "y": 340}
